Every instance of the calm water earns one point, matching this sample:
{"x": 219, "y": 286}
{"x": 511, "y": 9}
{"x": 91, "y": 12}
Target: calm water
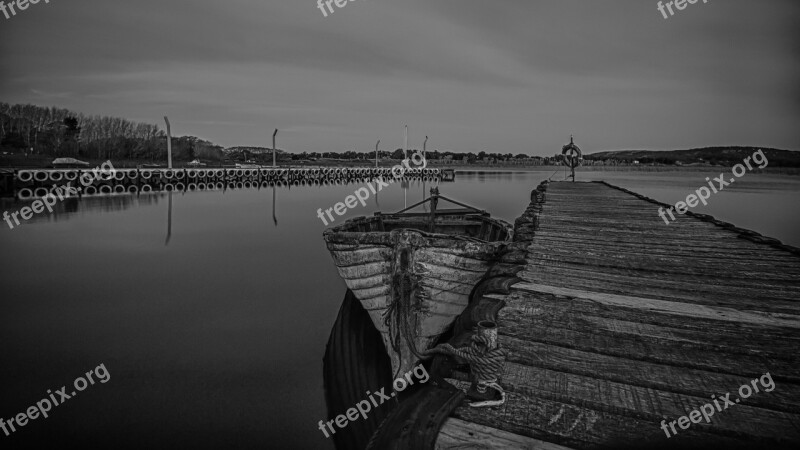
{"x": 215, "y": 336}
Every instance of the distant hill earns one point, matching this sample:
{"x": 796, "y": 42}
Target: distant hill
{"x": 724, "y": 156}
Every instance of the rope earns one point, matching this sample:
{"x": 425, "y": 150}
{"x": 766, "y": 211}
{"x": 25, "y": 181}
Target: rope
{"x": 485, "y": 364}
{"x": 399, "y": 314}
{"x": 495, "y": 386}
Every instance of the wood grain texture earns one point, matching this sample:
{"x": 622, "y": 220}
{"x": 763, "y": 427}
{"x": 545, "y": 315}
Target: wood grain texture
{"x": 622, "y": 321}
{"x": 461, "y": 435}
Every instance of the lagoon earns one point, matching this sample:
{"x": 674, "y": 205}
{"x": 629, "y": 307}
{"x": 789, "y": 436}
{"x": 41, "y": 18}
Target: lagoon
{"x": 212, "y": 320}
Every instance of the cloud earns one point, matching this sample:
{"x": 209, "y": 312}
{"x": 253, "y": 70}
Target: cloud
{"x": 511, "y": 75}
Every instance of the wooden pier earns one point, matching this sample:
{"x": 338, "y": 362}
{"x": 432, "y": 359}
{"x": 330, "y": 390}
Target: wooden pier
{"x": 28, "y": 184}
{"x": 618, "y": 321}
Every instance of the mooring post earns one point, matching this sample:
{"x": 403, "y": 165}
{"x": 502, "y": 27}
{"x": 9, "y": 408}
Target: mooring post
{"x": 169, "y": 144}
{"x": 273, "y": 148}
{"x": 434, "y": 203}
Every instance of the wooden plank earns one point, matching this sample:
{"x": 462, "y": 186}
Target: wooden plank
{"x": 459, "y": 434}
{"x": 694, "y": 289}
{"x": 651, "y": 404}
{"x": 700, "y": 250}
{"x": 665, "y": 239}
{"x": 777, "y": 308}
{"x": 553, "y": 307}
{"x": 585, "y": 428}
{"x": 720, "y": 266}
{"x": 694, "y": 382}
{"x": 729, "y": 340}
{"x": 645, "y": 275}
{"x": 667, "y": 307}
{"x": 634, "y": 349}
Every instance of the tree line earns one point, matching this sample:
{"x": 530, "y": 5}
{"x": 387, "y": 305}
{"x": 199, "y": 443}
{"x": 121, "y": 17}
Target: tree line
{"x": 59, "y": 132}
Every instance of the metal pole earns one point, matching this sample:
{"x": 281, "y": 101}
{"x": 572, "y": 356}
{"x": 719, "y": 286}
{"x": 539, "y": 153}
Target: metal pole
{"x": 424, "y": 148}
{"x": 376, "y": 153}
{"x": 405, "y": 144}
{"x": 169, "y": 144}
{"x": 273, "y": 148}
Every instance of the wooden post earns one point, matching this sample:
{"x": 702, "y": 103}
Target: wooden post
{"x": 434, "y": 203}
{"x": 169, "y": 144}
{"x": 273, "y": 148}
{"x": 376, "y": 153}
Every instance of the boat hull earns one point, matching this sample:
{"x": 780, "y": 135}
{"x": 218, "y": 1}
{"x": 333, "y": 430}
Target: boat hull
{"x": 413, "y": 284}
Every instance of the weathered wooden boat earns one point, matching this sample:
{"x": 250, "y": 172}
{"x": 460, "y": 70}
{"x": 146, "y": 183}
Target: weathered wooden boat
{"x": 414, "y": 272}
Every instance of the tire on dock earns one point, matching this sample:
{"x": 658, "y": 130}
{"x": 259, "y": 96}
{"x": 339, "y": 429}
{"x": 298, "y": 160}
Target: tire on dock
{"x": 25, "y": 175}
{"x": 25, "y": 194}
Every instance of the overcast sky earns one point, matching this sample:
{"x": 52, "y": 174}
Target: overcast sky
{"x": 504, "y": 75}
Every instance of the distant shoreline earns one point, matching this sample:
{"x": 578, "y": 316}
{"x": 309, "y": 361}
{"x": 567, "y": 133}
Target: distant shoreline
{"x": 629, "y": 168}
{"x": 40, "y": 163}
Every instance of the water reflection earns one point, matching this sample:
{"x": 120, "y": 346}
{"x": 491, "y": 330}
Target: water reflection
{"x": 169, "y": 220}
{"x": 71, "y": 206}
{"x": 274, "y": 217}
{"x": 223, "y": 324}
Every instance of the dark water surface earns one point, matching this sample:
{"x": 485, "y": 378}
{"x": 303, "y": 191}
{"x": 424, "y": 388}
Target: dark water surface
{"x": 215, "y": 339}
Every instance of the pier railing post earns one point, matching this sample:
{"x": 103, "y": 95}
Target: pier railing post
{"x": 273, "y": 148}
{"x": 169, "y": 143}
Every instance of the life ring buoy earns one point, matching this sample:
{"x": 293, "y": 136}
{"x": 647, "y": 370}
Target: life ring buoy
{"x": 571, "y": 155}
